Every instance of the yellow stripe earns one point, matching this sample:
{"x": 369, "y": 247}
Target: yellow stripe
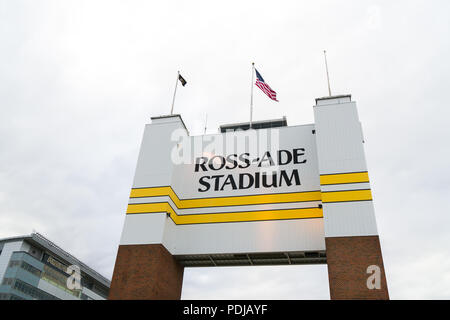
{"x": 226, "y": 217}
{"x": 344, "y": 178}
{"x": 226, "y": 201}
{"x": 341, "y": 196}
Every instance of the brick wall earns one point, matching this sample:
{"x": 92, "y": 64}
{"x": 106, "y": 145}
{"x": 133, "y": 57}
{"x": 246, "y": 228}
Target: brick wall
{"x": 348, "y": 259}
{"x": 144, "y": 272}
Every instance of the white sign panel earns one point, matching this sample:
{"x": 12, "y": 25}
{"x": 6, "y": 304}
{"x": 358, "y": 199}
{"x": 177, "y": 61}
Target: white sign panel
{"x": 235, "y": 192}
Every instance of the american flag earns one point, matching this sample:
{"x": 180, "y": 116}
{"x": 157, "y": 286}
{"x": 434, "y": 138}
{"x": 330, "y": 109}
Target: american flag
{"x": 265, "y": 87}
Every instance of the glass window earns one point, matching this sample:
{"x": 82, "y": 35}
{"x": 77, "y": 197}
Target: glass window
{"x": 32, "y": 291}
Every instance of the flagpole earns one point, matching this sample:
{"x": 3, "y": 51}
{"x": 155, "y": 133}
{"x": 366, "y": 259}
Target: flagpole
{"x": 328, "y": 76}
{"x": 251, "y": 96}
{"x": 174, "y": 93}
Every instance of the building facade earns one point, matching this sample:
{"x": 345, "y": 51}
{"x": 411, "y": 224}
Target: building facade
{"x": 34, "y": 268}
{"x": 269, "y": 194}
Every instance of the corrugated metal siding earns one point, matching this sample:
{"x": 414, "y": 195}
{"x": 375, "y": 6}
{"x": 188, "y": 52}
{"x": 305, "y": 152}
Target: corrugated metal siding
{"x": 340, "y": 150}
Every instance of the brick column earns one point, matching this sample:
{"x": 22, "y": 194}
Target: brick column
{"x": 348, "y": 260}
{"x": 146, "y": 272}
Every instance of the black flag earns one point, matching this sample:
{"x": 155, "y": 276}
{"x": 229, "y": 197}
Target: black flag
{"x": 183, "y": 82}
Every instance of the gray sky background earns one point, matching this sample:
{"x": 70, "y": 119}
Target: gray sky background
{"x": 79, "y": 79}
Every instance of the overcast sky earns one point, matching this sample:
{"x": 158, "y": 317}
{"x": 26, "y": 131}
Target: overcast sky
{"x": 80, "y": 79}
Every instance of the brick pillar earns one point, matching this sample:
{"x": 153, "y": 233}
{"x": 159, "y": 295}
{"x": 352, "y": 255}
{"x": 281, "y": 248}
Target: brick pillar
{"x": 146, "y": 272}
{"x": 348, "y": 259}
